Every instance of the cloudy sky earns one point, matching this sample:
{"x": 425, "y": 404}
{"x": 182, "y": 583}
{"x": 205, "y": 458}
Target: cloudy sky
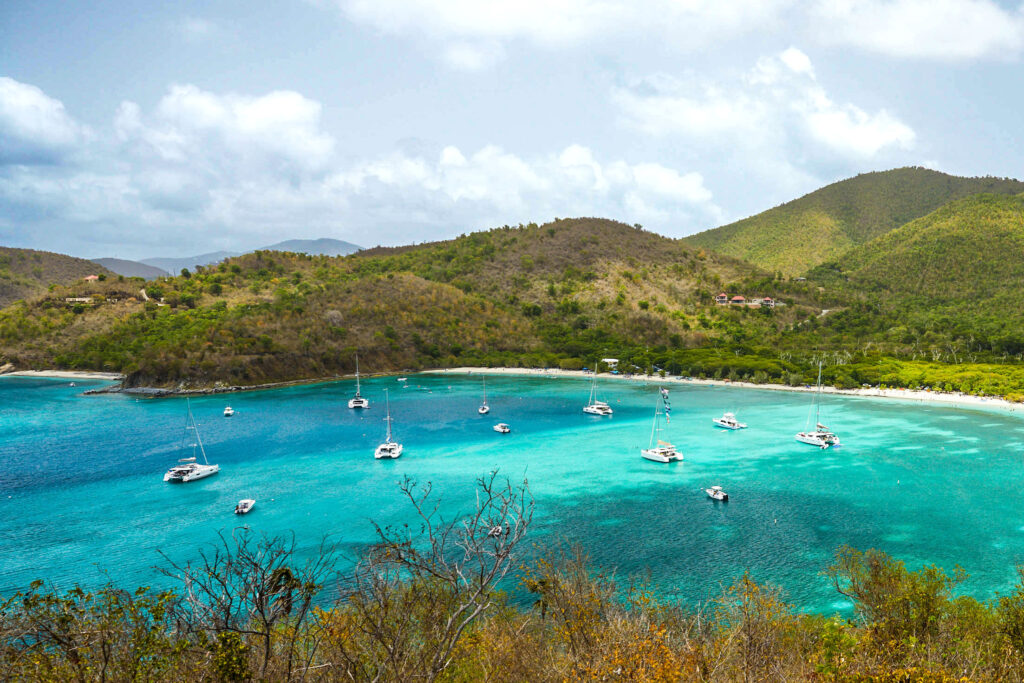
{"x": 136, "y": 129}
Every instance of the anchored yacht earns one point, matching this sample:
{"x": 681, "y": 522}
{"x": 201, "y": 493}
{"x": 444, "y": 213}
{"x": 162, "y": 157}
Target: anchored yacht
{"x": 190, "y": 469}
{"x": 390, "y": 449}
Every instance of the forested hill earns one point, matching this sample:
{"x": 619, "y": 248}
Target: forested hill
{"x": 533, "y": 295}
{"x": 968, "y": 252}
{"x": 820, "y": 226}
{"x": 26, "y": 272}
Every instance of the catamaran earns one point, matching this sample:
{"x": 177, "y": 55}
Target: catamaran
{"x": 188, "y": 469}
{"x": 390, "y": 448}
{"x": 658, "y": 450}
{"x": 484, "y": 408}
{"x": 358, "y": 401}
{"x": 595, "y": 406}
{"x": 821, "y": 436}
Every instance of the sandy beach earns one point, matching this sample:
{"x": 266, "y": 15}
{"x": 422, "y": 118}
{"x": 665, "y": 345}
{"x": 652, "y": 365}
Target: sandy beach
{"x": 951, "y": 398}
{"x": 66, "y": 374}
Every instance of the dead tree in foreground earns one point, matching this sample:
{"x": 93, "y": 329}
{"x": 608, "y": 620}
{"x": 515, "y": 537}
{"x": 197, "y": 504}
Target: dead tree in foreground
{"x": 417, "y": 590}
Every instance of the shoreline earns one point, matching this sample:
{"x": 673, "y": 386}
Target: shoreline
{"x": 955, "y": 399}
{"x": 66, "y": 374}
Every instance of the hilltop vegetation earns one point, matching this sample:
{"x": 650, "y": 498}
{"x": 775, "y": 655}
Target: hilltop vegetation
{"x": 26, "y": 272}
{"x": 558, "y": 294}
{"x": 818, "y": 227}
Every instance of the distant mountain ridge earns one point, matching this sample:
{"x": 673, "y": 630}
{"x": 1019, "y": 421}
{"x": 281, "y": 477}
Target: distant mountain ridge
{"x": 131, "y": 268}
{"x": 818, "y": 227}
{"x": 324, "y": 245}
{"x": 175, "y": 265}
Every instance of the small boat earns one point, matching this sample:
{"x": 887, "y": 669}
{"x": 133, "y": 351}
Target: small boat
{"x": 728, "y": 421}
{"x": 390, "y": 449}
{"x": 502, "y": 428}
{"x": 244, "y": 506}
{"x": 658, "y": 450}
{"x": 484, "y": 408}
{"x": 403, "y": 379}
{"x": 821, "y": 436}
{"x": 72, "y": 384}
{"x": 594, "y": 405}
{"x": 229, "y": 411}
{"x": 358, "y": 401}
{"x": 716, "y": 493}
{"x": 189, "y": 469}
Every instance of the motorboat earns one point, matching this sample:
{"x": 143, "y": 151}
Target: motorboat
{"x": 502, "y": 428}
{"x": 390, "y": 449}
{"x": 821, "y": 436}
{"x": 189, "y": 468}
{"x": 484, "y": 408}
{"x": 659, "y": 450}
{"x": 716, "y": 493}
{"x": 728, "y": 421}
{"x": 596, "y": 406}
{"x": 244, "y": 506}
{"x": 229, "y": 411}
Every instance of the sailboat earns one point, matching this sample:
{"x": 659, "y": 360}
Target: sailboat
{"x": 390, "y": 448}
{"x": 821, "y": 436}
{"x": 358, "y": 401}
{"x": 484, "y": 408}
{"x": 658, "y": 450}
{"x": 189, "y": 469}
{"x": 595, "y": 406}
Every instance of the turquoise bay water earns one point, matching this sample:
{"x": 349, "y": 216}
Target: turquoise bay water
{"x": 82, "y": 497}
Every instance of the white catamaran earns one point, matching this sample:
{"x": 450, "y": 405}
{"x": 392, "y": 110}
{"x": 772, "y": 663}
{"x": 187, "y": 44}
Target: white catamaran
{"x": 390, "y": 448}
{"x": 484, "y": 408}
{"x": 594, "y": 405}
{"x": 658, "y": 450}
{"x": 821, "y": 436}
{"x": 189, "y": 469}
{"x": 358, "y": 401}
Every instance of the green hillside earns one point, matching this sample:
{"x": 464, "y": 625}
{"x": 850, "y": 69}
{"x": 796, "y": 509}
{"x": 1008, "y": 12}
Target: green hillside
{"x": 557, "y": 294}
{"x": 26, "y": 272}
{"x": 970, "y": 251}
{"x": 824, "y": 224}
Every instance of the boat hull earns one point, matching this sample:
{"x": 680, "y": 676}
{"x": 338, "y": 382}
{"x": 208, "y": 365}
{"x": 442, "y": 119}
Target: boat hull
{"x": 201, "y": 472}
{"x": 717, "y": 495}
{"x": 814, "y": 439}
{"x": 728, "y": 425}
{"x": 483, "y": 410}
{"x": 661, "y": 455}
{"x": 388, "y": 451}
{"x": 358, "y": 403}
{"x": 597, "y": 410}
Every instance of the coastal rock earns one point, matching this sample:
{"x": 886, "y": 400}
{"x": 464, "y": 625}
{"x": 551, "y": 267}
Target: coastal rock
{"x": 6, "y": 367}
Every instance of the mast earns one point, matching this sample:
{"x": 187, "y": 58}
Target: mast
{"x": 357, "y": 374}
{"x": 817, "y": 402}
{"x": 199, "y": 440}
{"x": 485, "y": 389}
{"x": 654, "y": 427}
{"x": 387, "y": 419}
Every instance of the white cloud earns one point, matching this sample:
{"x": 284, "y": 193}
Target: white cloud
{"x": 927, "y": 29}
{"x": 195, "y": 29}
{"x": 473, "y": 32}
{"x": 34, "y": 128}
{"x": 776, "y": 102}
{"x": 204, "y": 171}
